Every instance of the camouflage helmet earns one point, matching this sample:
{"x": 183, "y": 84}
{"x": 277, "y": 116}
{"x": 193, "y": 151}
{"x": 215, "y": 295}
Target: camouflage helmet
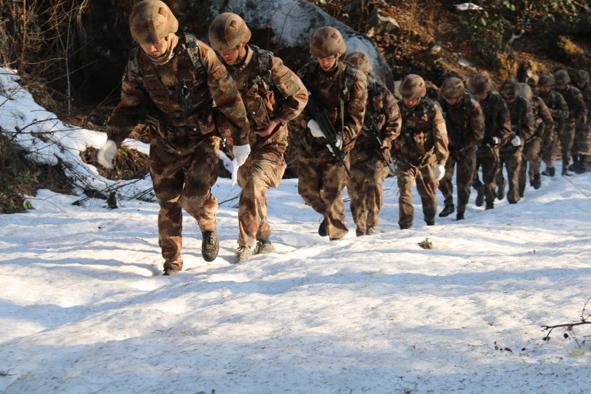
{"x": 509, "y": 89}
{"x": 561, "y": 78}
{"x": 327, "y": 41}
{"x": 360, "y": 61}
{"x": 151, "y": 21}
{"x": 546, "y": 80}
{"x": 481, "y": 84}
{"x": 582, "y": 77}
{"x": 228, "y": 31}
{"x": 452, "y": 88}
{"x": 525, "y": 91}
{"x": 412, "y": 87}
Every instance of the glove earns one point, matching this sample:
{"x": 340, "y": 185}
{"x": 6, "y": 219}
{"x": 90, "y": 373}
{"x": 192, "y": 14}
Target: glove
{"x": 315, "y": 129}
{"x": 106, "y": 154}
{"x": 516, "y": 141}
{"x": 439, "y": 172}
{"x": 241, "y": 153}
{"x": 338, "y": 144}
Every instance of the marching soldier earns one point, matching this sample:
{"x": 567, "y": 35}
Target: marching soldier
{"x": 465, "y": 129}
{"x": 421, "y": 150}
{"x": 340, "y": 94}
{"x": 560, "y": 114}
{"x": 576, "y": 121}
{"x": 522, "y": 125}
{"x": 497, "y": 131}
{"x": 273, "y": 95}
{"x": 171, "y": 83}
{"x": 581, "y": 148}
{"x": 371, "y": 155}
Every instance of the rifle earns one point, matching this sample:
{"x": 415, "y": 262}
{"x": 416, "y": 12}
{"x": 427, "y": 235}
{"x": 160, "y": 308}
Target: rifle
{"x": 371, "y": 127}
{"x": 330, "y": 133}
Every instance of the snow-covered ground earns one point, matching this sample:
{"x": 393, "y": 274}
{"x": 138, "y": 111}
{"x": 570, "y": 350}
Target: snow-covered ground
{"x": 83, "y": 307}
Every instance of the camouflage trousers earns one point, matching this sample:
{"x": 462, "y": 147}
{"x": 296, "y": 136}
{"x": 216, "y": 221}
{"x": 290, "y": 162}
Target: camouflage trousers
{"x": 260, "y": 172}
{"x": 567, "y": 137}
{"x": 426, "y": 186}
{"x": 580, "y": 143}
{"x": 511, "y": 157}
{"x": 549, "y": 147}
{"x": 531, "y": 155}
{"x": 465, "y": 162}
{"x": 321, "y": 181}
{"x": 183, "y": 182}
{"x": 366, "y": 190}
{"x": 488, "y": 158}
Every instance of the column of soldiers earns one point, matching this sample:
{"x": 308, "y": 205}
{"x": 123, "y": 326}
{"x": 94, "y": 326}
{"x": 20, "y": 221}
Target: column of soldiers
{"x": 191, "y": 97}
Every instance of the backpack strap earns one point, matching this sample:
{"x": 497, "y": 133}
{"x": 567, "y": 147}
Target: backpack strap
{"x": 190, "y": 45}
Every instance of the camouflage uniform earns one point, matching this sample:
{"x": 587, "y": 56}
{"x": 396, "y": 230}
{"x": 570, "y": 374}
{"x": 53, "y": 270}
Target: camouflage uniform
{"x": 177, "y": 99}
{"x": 497, "y": 122}
{"x": 522, "y": 124}
{"x": 582, "y": 138}
{"x": 368, "y": 168}
{"x": 422, "y": 144}
{"x": 280, "y": 95}
{"x": 465, "y": 128}
{"x": 321, "y": 178}
{"x": 560, "y": 113}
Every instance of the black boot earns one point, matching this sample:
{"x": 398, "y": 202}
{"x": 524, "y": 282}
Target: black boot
{"x": 447, "y": 210}
{"x": 210, "y": 245}
{"x": 579, "y": 166}
{"x": 537, "y": 181}
{"x": 500, "y": 191}
{"x": 490, "y": 205}
{"x": 565, "y": 171}
{"x": 460, "y": 215}
{"x": 322, "y": 229}
{"x": 549, "y": 171}
{"x": 480, "y": 198}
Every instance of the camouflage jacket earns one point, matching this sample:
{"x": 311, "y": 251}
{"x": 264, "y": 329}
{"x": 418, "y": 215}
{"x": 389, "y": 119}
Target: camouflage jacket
{"x": 329, "y": 88}
{"x": 270, "y": 91}
{"x": 586, "y": 91}
{"x": 576, "y": 103}
{"x": 382, "y": 116}
{"x": 543, "y": 121}
{"x": 423, "y": 136}
{"x": 522, "y": 118}
{"x": 497, "y": 120}
{"x": 180, "y": 95}
{"x": 464, "y": 122}
{"x": 557, "y": 106}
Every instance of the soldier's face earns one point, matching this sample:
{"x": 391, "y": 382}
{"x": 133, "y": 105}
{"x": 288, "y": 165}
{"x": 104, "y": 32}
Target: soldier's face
{"x": 327, "y": 63}
{"x": 452, "y": 100}
{"x": 234, "y": 55}
{"x": 156, "y": 50}
{"x": 411, "y": 102}
{"x": 544, "y": 89}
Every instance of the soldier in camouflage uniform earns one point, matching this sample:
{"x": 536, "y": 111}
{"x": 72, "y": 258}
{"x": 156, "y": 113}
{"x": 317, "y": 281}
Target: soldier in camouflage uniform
{"x": 576, "y": 121}
{"x": 341, "y": 91}
{"x": 522, "y": 125}
{"x": 544, "y": 125}
{"x": 465, "y": 129}
{"x": 273, "y": 95}
{"x": 421, "y": 150}
{"x": 371, "y": 154}
{"x": 581, "y": 148}
{"x": 560, "y": 114}
{"x": 171, "y": 84}
{"x": 497, "y": 131}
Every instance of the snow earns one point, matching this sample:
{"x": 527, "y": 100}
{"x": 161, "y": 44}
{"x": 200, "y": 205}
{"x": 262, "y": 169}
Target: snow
{"x": 84, "y": 308}
{"x": 468, "y": 7}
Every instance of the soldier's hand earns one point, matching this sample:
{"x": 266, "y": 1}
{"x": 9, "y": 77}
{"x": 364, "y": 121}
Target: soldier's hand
{"x": 516, "y": 141}
{"x": 270, "y": 128}
{"x": 106, "y": 154}
{"x": 439, "y": 171}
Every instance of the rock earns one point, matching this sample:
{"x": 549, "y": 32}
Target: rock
{"x": 383, "y": 24}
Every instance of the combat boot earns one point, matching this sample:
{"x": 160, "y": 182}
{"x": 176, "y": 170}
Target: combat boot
{"x": 480, "y": 198}
{"x": 536, "y": 182}
{"x": 322, "y": 229}
{"x": 243, "y": 253}
{"x": 447, "y": 210}
{"x": 359, "y": 232}
{"x": 172, "y": 268}
{"x": 460, "y": 215}
{"x": 210, "y": 245}
{"x": 500, "y": 191}
{"x": 565, "y": 171}
{"x": 490, "y": 205}
{"x": 549, "y": 171}
{"x": 264, "y": 247}
{"x": 371, "y": 231}
{"x": 579, "y": 166}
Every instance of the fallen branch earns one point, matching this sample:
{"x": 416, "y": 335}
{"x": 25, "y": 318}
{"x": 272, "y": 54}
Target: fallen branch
{"x": 569, "y": 326}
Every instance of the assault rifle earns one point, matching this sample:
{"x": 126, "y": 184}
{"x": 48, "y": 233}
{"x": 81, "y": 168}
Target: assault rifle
{"x": 371, "y": 127}
{"x": 330, "y": 133}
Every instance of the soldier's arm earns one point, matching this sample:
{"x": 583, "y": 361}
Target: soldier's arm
{"x": 580, "y": 107}
{"x": 225, "y": 94}
{"x": 440, "y": 139}
{"x": 355, "y": 110}
{"x": 131, "y": 108}
{"x": 476, "y": 125}
{"x": 562, "y": 112}
{"x": 393, "y": 119}
{"x": 304, "y": 75}
{"x": 527, "y": 122}
{"x": 294, "y": 93}
{"x": 504, "y": 131}
{"x": 546, "y": 116}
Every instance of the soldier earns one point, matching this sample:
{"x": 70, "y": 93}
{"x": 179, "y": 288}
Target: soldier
{"x": 171, "y": 84}
{"x": 522, "y": 125}
{"x": 464, "y": 121}
{"x": 581, "y": 147}
{"x": 543, "y": 125}
{"x": 576, "y": 121}
{"x": 341, "y": 92}
{"x": 421, "y": 150}
{"x": 497, "y": 130}
{"x": 560, "y": 114}
{"x": 273, "y": 95}
{"x": 371, "y": 155}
